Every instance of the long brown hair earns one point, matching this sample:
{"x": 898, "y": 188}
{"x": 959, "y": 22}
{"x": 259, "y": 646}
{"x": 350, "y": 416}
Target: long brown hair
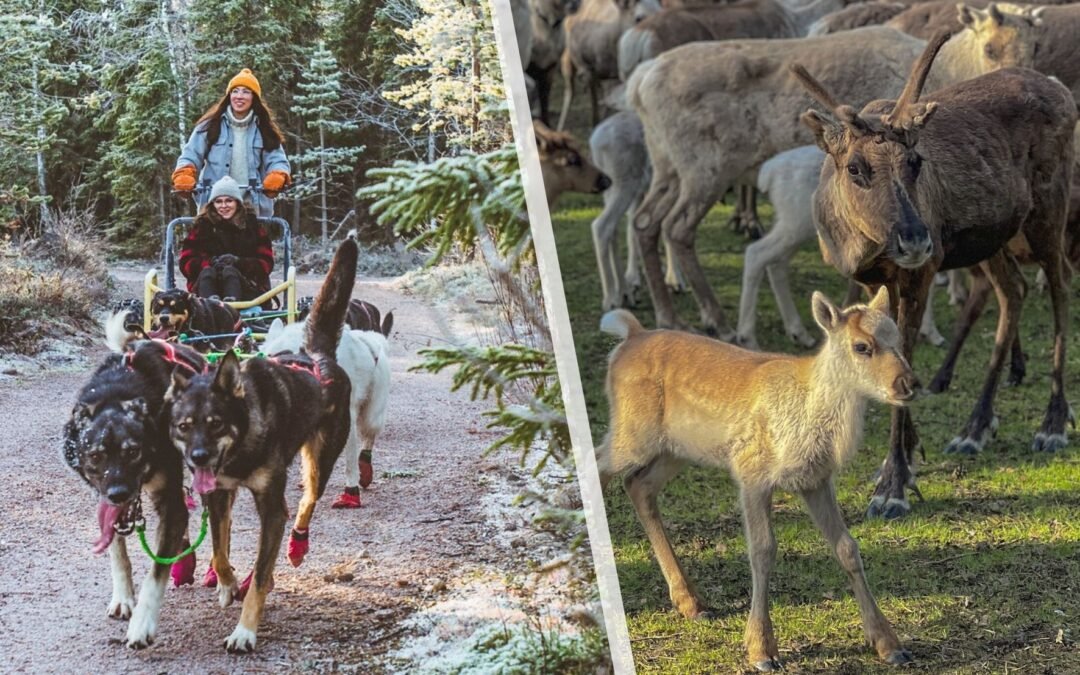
{"x": 264, "y": 120}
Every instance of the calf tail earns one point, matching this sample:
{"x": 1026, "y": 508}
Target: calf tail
{"x": 620, "y": 323}
{"x": 323, "y": 329}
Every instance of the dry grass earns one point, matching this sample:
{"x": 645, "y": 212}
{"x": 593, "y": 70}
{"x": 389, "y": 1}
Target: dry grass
{"x": 54, "y": 280}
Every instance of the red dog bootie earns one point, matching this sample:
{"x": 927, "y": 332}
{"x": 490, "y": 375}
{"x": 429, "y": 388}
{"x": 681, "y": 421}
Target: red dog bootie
{"x": 183, "y": 570}
{"x": 298, "y": 546}
{"x": 209, "y": 579}
{"x": 365, "y": 468}
{"x": 242, "y": 590}
{"x": 350, "y": 499}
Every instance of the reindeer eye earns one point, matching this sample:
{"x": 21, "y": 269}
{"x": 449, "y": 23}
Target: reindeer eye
{"x": 574, "y": 160}
{"x": 853, "y": 170}
{"x": 862, "y": 348}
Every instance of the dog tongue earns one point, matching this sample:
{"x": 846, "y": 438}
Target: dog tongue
{"x": 159, "y": 334}
{"x": 204, "y": 481}
{"x": 107, "y": 516}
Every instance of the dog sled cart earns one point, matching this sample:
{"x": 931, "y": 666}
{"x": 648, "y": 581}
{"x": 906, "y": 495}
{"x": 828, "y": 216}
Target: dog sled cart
{"x": 282, "y": 294}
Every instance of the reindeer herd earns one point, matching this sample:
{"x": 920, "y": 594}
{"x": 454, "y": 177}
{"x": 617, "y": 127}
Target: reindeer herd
{"x": 910, "y": 138}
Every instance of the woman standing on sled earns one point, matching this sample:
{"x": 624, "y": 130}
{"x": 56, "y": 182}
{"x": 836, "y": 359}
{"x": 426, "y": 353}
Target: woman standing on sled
{"x": 236, "y": 137}
{"x": 227, "y": 252}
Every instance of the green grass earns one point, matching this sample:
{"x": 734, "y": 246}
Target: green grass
{"x": 984, "y": 576}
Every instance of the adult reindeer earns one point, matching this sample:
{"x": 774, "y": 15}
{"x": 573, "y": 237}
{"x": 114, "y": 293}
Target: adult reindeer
{"x": 901, "y": 197}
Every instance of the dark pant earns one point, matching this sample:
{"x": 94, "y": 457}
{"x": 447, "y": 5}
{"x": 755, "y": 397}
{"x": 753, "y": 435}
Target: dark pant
{"x": 224, "y": 281}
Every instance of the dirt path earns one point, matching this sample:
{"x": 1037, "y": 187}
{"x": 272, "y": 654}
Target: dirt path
{"x": 435, "y": 528}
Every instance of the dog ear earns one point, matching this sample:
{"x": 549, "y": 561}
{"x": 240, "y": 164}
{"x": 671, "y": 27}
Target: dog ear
{"x": 228, "y": 379}
{"x": 83, "y": 412}
{"x": 179, "y": 385}
{"x": 276, "y": 326}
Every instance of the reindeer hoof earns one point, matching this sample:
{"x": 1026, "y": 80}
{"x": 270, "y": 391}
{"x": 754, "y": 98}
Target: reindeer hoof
{"x": 768, "y": 665}
{"x": 889, "y": 509}
{"x": 963, "y": 446}
{"x": 1050, "y": 443}
{"x": 899, "y": 658}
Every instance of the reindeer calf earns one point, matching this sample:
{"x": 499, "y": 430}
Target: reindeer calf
{"x": 775, "y": 421}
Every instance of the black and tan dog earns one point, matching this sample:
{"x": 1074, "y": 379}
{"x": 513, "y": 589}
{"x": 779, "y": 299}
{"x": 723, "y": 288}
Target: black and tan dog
{"x": 117, "y": 441}
{"x": 243, "y": 425}
{"x": 176, "y": 311}
{"x": 361, "y": 315}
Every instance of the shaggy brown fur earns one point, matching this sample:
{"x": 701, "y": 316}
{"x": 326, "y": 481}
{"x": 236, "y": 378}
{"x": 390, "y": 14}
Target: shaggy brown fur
{"x": 914, "y": 186}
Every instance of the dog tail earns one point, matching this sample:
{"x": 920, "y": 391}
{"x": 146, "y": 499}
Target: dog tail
{"x": 322, "y": 332}
{"x": 117, "y": 336}
{"x": 620, "y": 323}
{"x": 387, "y": 324}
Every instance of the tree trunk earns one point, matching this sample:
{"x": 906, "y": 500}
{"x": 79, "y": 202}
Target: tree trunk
{"x": 322, "y": 180}
{"x": 181, "y": 108}
{"x": 39, "y": 151}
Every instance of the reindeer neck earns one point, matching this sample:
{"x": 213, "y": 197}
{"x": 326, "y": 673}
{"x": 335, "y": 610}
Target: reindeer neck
{"x": 834, "y": 409}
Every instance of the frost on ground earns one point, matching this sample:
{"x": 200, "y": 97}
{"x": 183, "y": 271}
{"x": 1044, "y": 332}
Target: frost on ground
{"x": 540, "y": 616}
{"x": 463, "y": 288}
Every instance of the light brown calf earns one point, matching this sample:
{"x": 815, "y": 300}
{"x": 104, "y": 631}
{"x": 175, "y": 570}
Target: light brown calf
{"x": 775, "y": 421}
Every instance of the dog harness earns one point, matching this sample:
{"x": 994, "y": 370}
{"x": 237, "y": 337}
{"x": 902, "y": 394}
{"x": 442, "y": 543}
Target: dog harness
{"x": 170, "y": 354}
{"x": 306, "y": 365}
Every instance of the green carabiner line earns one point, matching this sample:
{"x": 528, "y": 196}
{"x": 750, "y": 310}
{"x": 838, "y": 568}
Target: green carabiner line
{"x": 141, "y": 529}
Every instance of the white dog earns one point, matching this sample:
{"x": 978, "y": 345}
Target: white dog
{"x": 364, "y": 356}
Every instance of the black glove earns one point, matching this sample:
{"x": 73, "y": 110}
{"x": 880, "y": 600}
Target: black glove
{"x": 224, "y": 260}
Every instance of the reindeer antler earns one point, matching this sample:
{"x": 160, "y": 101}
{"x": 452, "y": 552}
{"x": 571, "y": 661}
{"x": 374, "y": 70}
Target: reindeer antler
{"x": 913, "y": 89}
{"x": 817, "y": 91}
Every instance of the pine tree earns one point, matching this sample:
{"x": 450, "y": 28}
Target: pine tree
{"x": 31, "y": 111}
{"x": 320, "y": 92}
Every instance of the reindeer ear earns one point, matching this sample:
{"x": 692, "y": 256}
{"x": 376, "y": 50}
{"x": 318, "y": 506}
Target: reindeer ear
{"x": 826, "y": 314}
{"x": 827, "y": 133}
{"x": 1035, "y": 17}
{"x": 995, "y": 13}
{"x": 228, "y": 379}
{"x": 880, "y": 302}
{"x": 965, "y": 15}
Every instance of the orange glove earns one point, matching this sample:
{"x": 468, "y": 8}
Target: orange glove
{"x": 274, "y": 181}
{"x": 183, "y": 179}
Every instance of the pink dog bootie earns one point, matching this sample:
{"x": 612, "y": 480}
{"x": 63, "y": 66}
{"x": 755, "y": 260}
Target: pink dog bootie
{"x": 350, "y": 499}
{"x": 298, "y": 546}
{"x": 241, "y": 591}
{"x": 366, "y": 472}
{"x": 209, "y": 579}
{"x": 183, "y": 570}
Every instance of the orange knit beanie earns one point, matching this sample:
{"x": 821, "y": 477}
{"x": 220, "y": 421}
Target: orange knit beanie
{"x": 245, "y": 78}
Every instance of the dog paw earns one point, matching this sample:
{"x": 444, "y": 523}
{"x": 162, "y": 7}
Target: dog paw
{"x": 120, "y": 608}
{"x": 141, "y": 630}
{"x": 298, "y": 546}
{"x": 241, "y": 641}
{"x": 227, "y": 593}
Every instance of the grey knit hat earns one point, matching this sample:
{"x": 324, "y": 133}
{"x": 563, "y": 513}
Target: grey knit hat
{"x": 227, "y": 187}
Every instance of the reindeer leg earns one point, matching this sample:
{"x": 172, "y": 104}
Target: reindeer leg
{"x": 1004, "y": 274}
{"x": 680, "y": 225}
{"x": 772, "y": 255}
{"x": 889, "y": 500}
{"x": 647, "y": 224}
{"x": 643, "y": 486}
{"x": 1052, "y": 436}
{"x": 973, "y": 308}
{"x": 616, "y": 202}
{"x": 821, "y": 502}
{"x": 760, "y": 640}
{"x": 748, "y": 207}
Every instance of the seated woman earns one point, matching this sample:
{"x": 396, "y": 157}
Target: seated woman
{"x": 227, "y": 253}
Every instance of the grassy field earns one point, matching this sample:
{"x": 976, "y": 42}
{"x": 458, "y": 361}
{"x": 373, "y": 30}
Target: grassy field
{"x": 984, "y": 576}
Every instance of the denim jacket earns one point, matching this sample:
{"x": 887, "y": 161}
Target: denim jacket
{"x": 260, "y": 162}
